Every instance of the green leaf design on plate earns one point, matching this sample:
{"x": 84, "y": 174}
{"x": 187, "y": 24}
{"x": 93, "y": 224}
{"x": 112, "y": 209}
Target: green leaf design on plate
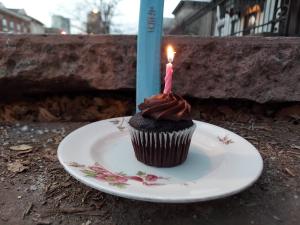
{"x": 141, "y": 173}
{"x": 110, "y": 178}
{"x": 89, "y": 173}
{"x": 119, "y": 185}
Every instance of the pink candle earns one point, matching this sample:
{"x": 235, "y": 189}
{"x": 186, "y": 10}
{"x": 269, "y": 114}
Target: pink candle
{"x": 168, "y": 78}
{"x": 169, "y": 71}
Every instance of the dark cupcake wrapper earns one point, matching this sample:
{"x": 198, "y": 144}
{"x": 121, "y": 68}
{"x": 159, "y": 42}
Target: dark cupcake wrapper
{"x": 161, "y": 149}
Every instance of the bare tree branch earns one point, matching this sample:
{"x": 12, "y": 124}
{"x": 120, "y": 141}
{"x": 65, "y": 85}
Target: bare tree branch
{"x": 106, "y": 8}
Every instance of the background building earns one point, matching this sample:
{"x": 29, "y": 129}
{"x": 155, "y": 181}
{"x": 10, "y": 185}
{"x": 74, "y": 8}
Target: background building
{"x": 168, "y": 25}
{"x": 51, "y": 30}
{"x": 62, "y": 24}
{"x": 36, "y": 27}
{"x": 17, "y": 21}
{"x": 238, "y": 18}
{"x": 13, "y": 21}
{"x": 200, "y": 26}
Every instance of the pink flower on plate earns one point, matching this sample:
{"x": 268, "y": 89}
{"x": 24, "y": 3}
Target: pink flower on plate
{"x": 97, "y": 169}
{"x": 100, "y": 177}
{"x": 151, "y": 177}
{"x": 115, "y": 179}
{"x": 119, "y": 179}
{"x": 136, "y": 178}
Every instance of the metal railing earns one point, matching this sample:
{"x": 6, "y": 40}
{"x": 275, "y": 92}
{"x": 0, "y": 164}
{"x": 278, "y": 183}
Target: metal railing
{"x": 279, "y": 25}
{"x": 280, "y": 18}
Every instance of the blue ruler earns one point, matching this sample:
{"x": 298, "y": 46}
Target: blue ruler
{"x": 148, "y": 49}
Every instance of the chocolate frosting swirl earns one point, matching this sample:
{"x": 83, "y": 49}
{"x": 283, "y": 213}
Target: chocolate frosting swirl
{"x": 166, "y": 107}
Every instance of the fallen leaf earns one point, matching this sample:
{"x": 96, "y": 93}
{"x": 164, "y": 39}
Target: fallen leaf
{"x": 24, "y": 152}
{"x": 50, "y": 154}
{"x": 276, "y": 218}
{"x": 87, "y": 223}
{"x": 22, "y": 147}
{"x": 45, "y": 115}
{"x": 296, "y": 146}
{"x": 57, "y": 140}
{"x": 16, "y": 167}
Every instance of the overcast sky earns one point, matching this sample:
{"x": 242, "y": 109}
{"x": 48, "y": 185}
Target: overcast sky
{"x": 126, "y": 19}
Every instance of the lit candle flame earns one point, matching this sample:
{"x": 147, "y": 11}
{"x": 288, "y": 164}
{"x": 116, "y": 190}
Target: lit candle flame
{"x": 170, "y": 53}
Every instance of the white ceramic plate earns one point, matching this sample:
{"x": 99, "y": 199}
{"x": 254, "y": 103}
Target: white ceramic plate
{"x": 220, "y": 163}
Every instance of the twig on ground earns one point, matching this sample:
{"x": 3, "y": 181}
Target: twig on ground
{"x": 27, "y": 210}
{"x": 61, "y": 197}
{"x": 263, "y": 128}
{"x": 289, "y": 172}
{"x": 43, "y": 222}
{"x": 95, "y": 213}
{"x": 69, "y": 211}
{"x": 85, "y": 196}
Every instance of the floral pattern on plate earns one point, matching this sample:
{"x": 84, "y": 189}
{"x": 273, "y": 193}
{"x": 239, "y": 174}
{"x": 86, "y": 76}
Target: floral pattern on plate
{"x": 119, "y": 179}
{"x": 225, "y": 140}
{"x": 119, "y": 123}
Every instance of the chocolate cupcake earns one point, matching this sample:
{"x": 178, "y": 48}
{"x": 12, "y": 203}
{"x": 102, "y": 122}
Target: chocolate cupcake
{"x": 161, "y": 133}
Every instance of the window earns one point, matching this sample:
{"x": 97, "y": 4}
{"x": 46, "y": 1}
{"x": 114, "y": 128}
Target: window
{"x": 19, "y": 28}
{"x": 23, "y": 28}
{"x": 4, "y": 24}
{"x": 11, "y": 26}
{"x": 26, "y": 30}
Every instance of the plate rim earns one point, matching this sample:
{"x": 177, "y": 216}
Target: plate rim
{"x": 157, "y": 199}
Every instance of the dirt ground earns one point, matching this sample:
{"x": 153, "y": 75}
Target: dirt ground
{"x": 34, "y": 188}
